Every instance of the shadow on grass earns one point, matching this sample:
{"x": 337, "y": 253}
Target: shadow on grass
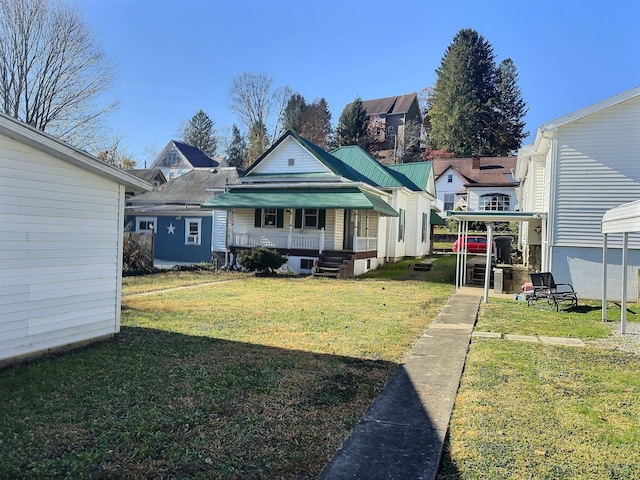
{"x": 152, "y": 403}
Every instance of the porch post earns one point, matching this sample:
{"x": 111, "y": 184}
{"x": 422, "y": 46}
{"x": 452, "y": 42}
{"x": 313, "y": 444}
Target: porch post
{"x": 604, "y": 277}
{"x": 544, "y": 261}
{"x": 290, "y": 228}
{"x": 321, "y": 244}
{"x": 355, "y": 232}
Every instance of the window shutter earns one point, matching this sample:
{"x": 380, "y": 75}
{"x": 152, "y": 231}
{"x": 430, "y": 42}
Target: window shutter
{"x": 258, "y": 218}
{"x": 279, "y": 218}
{"x": 298, "y": 221}
{"x": 322, "y": 217}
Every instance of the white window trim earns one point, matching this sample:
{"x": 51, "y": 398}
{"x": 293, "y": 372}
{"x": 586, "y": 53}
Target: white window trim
{"x": 198, "y": 238}
{"x": 147, "y": 219}
{"x": 264, "y": 218}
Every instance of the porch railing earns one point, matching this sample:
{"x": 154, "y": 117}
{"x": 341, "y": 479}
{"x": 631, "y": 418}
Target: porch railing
{"x": 365, "y": 244}
{"x": 303, "y": 241}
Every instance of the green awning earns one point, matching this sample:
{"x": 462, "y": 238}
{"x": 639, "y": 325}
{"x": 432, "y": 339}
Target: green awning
{"x": 353, "y": 198}
{"x": 436, "y": 219}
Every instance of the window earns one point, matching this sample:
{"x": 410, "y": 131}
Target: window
{"x": 306, "y": 263}
{"x": 172, "y": 158}
{"x": 310, "y": 218}
{"x": 450, "y": 178}
{"x": 425, "y": 224}
{"x": 192, "y": 231}
{"x": 270, "y": 217}
{"x": 494, "y": 202}
{"x": 147, "y": 224}
{"x": 448, "y": 201}
{"x": 401, "y": 226}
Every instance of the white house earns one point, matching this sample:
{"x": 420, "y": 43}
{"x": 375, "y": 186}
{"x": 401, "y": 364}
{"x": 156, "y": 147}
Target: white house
{"x": 339, "y": 214}
{"x": 579, "y": 166}
{"x": 475, "y": 184}
{"x": 61, "y": 230}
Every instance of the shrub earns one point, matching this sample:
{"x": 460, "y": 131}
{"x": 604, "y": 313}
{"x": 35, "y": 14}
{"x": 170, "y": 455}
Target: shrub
{"x": 261, "y": 260}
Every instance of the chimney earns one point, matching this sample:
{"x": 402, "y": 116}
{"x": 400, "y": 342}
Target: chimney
{"x": 475, "y": 164}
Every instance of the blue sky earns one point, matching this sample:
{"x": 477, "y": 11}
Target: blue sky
{"x": 174, "y": 58}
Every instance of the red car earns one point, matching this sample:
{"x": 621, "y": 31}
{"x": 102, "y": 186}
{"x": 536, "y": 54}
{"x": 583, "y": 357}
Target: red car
{"x": 475, "y": 244}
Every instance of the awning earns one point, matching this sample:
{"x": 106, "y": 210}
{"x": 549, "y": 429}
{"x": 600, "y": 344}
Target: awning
{"x": 436, "y": 219}
{"x": 352, "y": 198}
{"x": 496, "y": 216}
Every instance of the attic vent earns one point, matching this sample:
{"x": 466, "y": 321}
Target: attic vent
{"x": 292, "y": 161}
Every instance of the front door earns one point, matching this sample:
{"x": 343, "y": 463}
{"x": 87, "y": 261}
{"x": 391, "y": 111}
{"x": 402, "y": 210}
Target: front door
{"x": 349, "y": 229}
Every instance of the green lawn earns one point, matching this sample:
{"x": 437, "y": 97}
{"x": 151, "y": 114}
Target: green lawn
{"x": 256, "y": 378}
{"x": 546, "y": 412}
{"x": 263, "y": 378}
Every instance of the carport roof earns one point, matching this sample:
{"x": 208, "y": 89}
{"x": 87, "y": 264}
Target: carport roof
{"x": 485, "y": 216}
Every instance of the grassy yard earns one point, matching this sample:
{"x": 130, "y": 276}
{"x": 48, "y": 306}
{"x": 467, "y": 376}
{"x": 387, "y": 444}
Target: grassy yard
{"x": 256, "y": 378}
{"x": 263, "y": 378}
{"x": 539, "y": 411}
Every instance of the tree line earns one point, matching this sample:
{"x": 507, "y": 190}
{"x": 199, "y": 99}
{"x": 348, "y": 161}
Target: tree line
{"x": 53, "y": 76}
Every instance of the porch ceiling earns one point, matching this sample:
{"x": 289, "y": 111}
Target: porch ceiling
{"x": 491, "y": 216}
{"x": 354, "y": 199}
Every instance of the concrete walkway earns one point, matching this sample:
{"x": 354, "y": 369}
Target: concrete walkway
{"x": 401, "y": 436}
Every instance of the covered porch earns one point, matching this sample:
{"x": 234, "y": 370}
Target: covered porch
{"x": 305, "y": 222}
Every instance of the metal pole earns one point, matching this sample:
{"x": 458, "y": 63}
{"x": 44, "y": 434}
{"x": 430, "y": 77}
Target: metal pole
{"x": 623, "y": 300}
{"x": 487, "y": 270}
{"x": 604, "y": 277}
{"x": 458, "y": 257}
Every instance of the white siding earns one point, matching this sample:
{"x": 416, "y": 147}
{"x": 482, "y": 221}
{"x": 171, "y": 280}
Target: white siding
{"x": 60, "y": 229}
{"x": 598, "y": 168}
{"x": 443, "y": 187}
{"x": 219, "y": 231}
{"x": 277, "y": 162}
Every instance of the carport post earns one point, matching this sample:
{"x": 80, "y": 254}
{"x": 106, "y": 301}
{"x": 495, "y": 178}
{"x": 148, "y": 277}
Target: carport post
{"x": 487, "y": 269}
{"x": 604, "y": 277}
{"x": 623, "y": 300}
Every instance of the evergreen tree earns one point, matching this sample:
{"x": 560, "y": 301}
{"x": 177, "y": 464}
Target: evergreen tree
{"x": 352, "y": 126}
{"x": 316, "y": 123}
{"x": 199, "y": 132}
{"x": 462, "y": 113}
{"x": 294, "y": 112}
{"x": 237, "y": 150}
{"x": 511, "y": 109}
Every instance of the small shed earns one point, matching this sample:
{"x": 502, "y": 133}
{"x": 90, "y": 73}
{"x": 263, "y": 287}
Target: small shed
{"x": 623, "y": 219}
{"x": 61, "y": 234}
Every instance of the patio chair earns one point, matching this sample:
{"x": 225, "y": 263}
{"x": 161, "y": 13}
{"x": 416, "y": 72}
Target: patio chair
{"x": 548, "y": 294}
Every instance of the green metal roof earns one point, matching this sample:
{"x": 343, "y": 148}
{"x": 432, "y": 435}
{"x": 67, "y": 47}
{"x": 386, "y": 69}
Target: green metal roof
{"x": 416, "y": 172}
{"x": 359, "y": 160}
{"x": 352, "y": 198}
{"x": 436, "y": 219}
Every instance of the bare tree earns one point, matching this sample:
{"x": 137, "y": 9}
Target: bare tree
{"x": 251, "y": 98}
{"x": 116, "y": 154}
{"x": 281, "y": 96}
{"x": 408, "y": 143}
{"x": 52, "y": 73}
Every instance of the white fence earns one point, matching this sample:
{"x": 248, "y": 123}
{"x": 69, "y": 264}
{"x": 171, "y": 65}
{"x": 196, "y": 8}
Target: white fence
{"x": 303, "y": 241}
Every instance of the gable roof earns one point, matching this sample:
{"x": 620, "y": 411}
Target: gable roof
{"x": 335, "y": 165}
{"x": 192, "y": 188}
{"x": 19, "y": 131}
{"x": 492, "y": 171}
{"x": 196, "y": 157}
{"x": 553, "y": 125}
{"x": 389, "y": 105}
{"x": 414, "y": 176}
{"x": 148, "y": 174}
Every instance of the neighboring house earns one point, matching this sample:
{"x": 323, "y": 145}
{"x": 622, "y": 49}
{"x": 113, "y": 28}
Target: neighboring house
{"x": 183, "y": 231}
{"x": 154, "y": 176}
{"x": 61, "y": 231}
{"x": 579, "y": 166}
{"x": 389, "y": 116}
{"x": 178, "y": 158}
{"x": 312, "y": 206}
{"x": 475, "y": 184}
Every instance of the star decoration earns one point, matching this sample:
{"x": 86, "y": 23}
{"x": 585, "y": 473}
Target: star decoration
{"x": 171, "y": 229}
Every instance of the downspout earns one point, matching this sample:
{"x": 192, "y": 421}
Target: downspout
{"x": 550, "y": 227}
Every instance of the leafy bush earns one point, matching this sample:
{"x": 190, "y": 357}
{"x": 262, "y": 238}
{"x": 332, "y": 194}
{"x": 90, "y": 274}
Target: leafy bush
{"x": 261, "y": 260}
